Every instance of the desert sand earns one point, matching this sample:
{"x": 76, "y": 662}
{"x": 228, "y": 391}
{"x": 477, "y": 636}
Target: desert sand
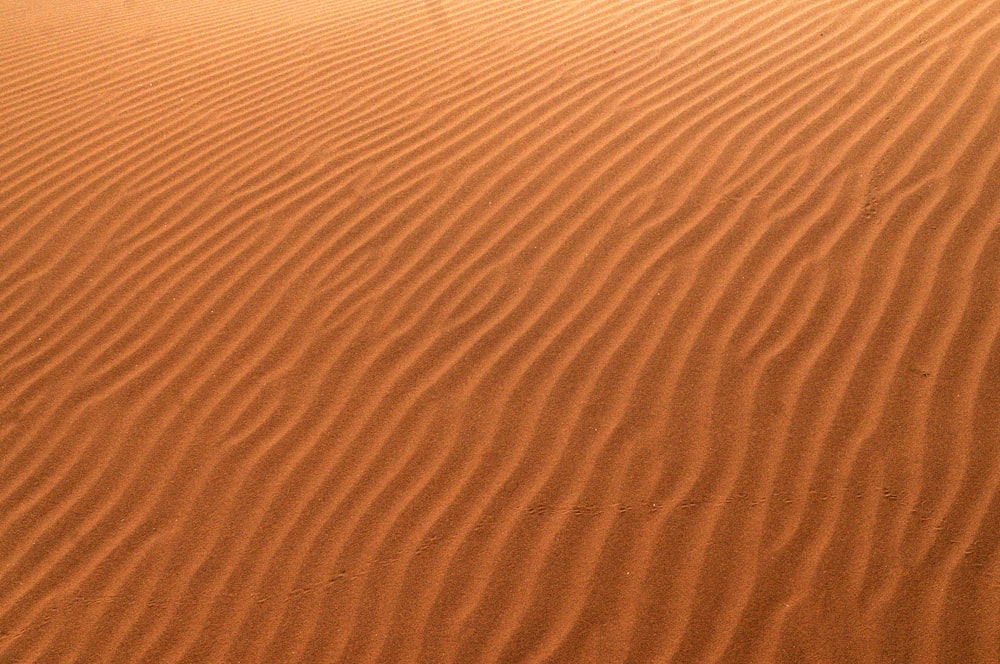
{"x": 528, "y": 331}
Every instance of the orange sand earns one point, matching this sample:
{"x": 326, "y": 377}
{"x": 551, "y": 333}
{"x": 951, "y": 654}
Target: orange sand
{"x": 531, "y": 331}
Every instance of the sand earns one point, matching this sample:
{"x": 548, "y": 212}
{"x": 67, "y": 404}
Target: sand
{"x": 529, "y": 331}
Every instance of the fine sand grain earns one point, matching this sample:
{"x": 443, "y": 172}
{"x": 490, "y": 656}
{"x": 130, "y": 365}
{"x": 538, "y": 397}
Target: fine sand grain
{"x": 479, "y": 331}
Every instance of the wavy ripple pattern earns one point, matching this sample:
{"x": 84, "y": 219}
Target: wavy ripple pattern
{"x": 438, "y": 331}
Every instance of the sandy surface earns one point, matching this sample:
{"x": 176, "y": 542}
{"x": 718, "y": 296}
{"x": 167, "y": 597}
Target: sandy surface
{"x": 549, "y": 330}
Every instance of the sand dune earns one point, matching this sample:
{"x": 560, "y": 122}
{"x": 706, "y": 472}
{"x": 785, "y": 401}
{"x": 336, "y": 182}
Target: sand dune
{"x": 545, "y": 330}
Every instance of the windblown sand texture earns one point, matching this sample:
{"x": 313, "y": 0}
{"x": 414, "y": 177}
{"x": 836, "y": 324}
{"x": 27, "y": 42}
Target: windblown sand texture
{"x": 480, "y": 331}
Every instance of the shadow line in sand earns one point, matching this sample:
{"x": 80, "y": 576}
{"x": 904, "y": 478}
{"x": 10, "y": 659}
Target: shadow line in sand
{"x": 437, "y": 12}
